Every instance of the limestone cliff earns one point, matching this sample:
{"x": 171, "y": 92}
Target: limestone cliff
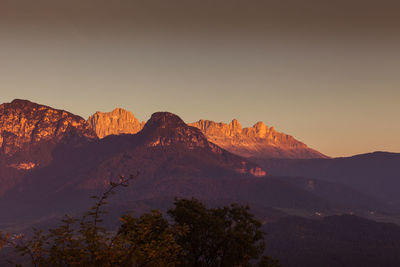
{"x": 23, "y": 123}
{"x": 258, "y": 141}
{"x": 118, "y": 121}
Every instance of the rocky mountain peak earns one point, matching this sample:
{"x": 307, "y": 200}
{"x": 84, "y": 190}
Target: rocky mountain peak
{"x": 164, "y": 129}
{"x": 23, "y": 123}
{"x": 118, "y": 121}
{"x": 165, "y": 120}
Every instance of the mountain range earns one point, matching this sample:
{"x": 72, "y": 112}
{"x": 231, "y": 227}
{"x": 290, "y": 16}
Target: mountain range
{"x": 258, "y": 141}
{"x": 52, "y": 160}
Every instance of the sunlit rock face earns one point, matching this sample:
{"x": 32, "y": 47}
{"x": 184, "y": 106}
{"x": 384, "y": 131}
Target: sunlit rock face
{"x": 258, "y": 141}
{"x": 23, "y": 123}
{"x": 118, "y": 121}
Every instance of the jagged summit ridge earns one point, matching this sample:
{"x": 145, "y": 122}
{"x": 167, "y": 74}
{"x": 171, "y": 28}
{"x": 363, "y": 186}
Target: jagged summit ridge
{"x": 234, "y": 131}
{"x": 258, "y": 141}
{"x": 118, "y": 121}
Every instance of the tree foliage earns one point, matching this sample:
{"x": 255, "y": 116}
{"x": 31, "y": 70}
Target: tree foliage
{"x": 196, "y": 236}
{"x": 228, "y": 236}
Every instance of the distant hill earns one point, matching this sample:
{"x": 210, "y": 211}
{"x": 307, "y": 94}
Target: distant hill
{"x": 376, "y": 174}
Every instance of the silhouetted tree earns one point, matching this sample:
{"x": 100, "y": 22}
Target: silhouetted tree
{"x": 228, "y": 236}
{"x": 150, "y": 240}
{"x": 198, "y": 236}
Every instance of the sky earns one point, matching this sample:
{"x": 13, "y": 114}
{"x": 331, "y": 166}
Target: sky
{"x": 326, "y": 72}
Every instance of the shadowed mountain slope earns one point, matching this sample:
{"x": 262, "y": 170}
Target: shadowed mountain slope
{"x": 174, "y": 159}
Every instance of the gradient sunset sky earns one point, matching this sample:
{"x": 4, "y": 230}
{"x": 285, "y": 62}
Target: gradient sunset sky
{"x": 326, "y": 72}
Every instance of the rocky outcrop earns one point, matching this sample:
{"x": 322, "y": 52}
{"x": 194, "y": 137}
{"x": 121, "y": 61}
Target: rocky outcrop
{"x": 118, "y": 121}
{"x": 259, "y": 141}
{"x": 23, "y": 123}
